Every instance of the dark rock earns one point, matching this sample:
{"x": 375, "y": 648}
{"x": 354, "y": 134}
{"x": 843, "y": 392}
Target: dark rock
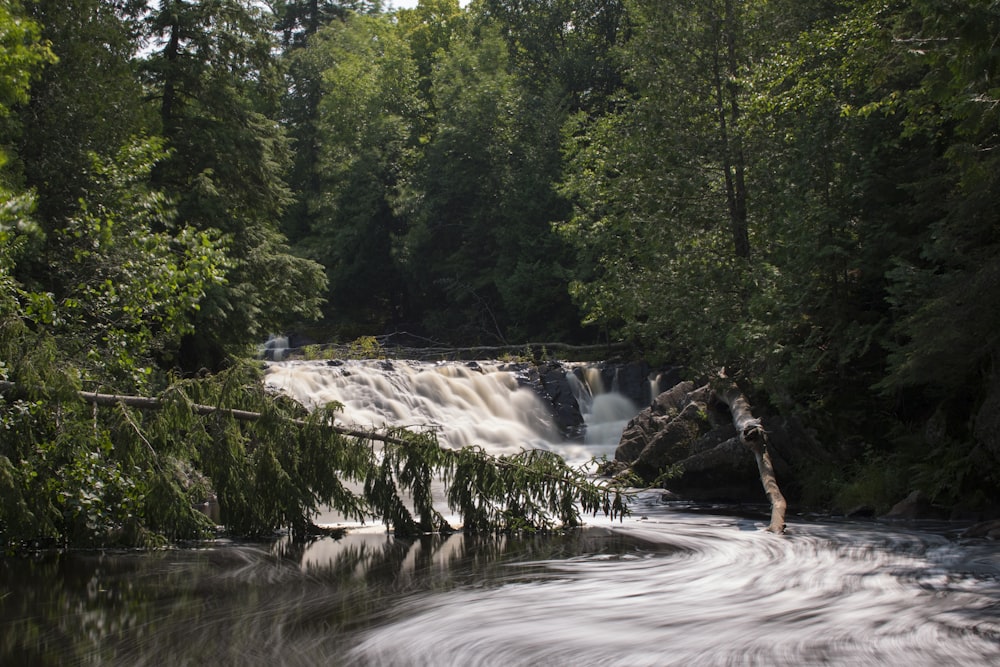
{"x": 548, "y": 381}
{"x": 988, "y": 529}
{"x": 860, "y": 512}
{"x": 915, "y": 506}
{"x": 724, "y": 473}
{"x": 558, "y": 393}
{"x": 659, "y": 426}
{"x": 689, "y": 428}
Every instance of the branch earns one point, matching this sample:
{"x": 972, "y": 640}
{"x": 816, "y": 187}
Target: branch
{"x": 753, "y": 436}
{"x": 148, "y": 403}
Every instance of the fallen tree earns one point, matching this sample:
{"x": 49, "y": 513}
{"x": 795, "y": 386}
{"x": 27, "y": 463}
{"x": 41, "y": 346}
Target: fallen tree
{"x": 696, "y": 437}
{"x": 753, "y": 436}
{"x": 92, "y": 468}
{"x": 152, "y": 403}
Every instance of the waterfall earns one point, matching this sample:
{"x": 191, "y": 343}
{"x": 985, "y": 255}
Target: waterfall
{"x": 605, "y": 413}
{"x": 474, "y": 403}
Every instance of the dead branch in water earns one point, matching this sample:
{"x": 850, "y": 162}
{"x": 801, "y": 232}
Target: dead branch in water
{"x": 753, "y": 436}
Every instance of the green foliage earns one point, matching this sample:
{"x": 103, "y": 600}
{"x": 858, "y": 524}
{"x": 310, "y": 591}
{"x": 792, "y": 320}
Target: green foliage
{"x": 365, "y": 127}
{"x": 89, "y": 102}
{"x": 22, "y": 53}
{"x": 482, "y": 260}
{"x": 130, "y": 292}
{"x": 216, "y": 82}
{"x": 135, "y": 476}
{"x": 365, "y": 347}
{"x": 877, "y": 480}
{"x": 527, "y": 491}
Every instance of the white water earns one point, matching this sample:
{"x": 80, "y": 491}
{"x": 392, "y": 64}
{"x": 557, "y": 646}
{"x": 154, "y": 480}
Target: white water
{"x": 693, "y": 589}
{"x": 465, "y": 404}
{"x": 673, "y": 584}
{"x": 716, "y": 590}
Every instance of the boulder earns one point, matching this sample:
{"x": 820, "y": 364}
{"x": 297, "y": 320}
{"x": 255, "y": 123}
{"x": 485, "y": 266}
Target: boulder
{"x": 917, "y": 505}
{"x": 689, "y": 429}
{"x": 548, "y": 380}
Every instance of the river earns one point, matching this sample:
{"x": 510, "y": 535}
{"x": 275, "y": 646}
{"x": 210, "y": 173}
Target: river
{"x": 673, "y": 584}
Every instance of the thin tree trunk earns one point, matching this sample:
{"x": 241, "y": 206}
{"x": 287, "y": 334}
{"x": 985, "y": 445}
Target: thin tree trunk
{"x": 753, "y": 436}
{"x": 148, "y": 403}
{"x": 171, "y": 55}
{"x": 727, "y": 110}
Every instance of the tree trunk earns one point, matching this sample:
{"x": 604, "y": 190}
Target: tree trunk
{"x": 149, "y": 403}
{"x": 725, "y": 70}
{"x": 753, "y": 436}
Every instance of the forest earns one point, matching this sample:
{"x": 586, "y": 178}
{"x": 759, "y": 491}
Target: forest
{"x": 802, "y": 192}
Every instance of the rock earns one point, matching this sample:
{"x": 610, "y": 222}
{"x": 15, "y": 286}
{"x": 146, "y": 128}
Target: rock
{"x": 915, "y": 506}
{"x": 548, "y": 381}
{"x": 860, "y": 512}
{"x": 642, "y": 428}
{"x": 558, "y": 393}
{"x": 685, "y": 426}
{"x": 988, "y": 529}
{"x": 688, "y": 427}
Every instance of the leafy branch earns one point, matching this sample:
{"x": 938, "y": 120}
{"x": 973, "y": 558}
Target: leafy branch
{"x": 273, "y": 466}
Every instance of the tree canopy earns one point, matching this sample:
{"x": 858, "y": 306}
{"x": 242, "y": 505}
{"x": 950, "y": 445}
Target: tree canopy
{"x": 802, "y": 192}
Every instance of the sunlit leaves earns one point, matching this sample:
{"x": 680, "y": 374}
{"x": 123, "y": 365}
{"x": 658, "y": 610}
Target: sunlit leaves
{"x": 132, "y": 280}
{"x": 22, "y": 53}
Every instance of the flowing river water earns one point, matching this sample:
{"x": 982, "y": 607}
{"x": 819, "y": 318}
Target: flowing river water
{"x": 673, "y": 584}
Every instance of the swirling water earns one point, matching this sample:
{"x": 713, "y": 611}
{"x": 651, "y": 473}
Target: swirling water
{"x": 667, "y": 587}
{"x": 673, "y": 584}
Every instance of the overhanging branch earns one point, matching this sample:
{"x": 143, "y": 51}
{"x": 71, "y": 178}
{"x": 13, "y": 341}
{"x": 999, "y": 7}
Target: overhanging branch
{"x": 152, "y": 403}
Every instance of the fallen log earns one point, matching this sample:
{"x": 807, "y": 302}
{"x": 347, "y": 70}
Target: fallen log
{"x": 152, "y": 403}
{"x": 753, "y": 436}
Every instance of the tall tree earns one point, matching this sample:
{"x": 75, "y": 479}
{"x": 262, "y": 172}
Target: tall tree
{"x": 214, "y": 77}
{"x": 366, "y": 128}
{"x": 88, "y": 102}
{"x": 483, "y": 260}
{"x": 567, "y": 44}
{"x": 297, "y": 22}
{"x": 659, "y": 184}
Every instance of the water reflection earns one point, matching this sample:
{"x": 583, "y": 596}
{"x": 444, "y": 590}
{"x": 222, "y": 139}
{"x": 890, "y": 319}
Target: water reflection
{"x": 283, "y": 603}
{"x": 666, "y": 587}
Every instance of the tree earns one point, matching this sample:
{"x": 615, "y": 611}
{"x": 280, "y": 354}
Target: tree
{"x": 480, "y": 202}
{"x": 564, "y": 44}
{"x": 659, "y": 187}
{"x": 217, "y": 89}
{"x": 366, "y": 130}
{"x": 22, "y": 54}
{"x": 297, "y": 22}
{"x": 88, "y": 102}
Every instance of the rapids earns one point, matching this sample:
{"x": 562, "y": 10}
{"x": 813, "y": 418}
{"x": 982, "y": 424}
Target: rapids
{"x": 476, "y": 403}
{"x": 673, "y": 584}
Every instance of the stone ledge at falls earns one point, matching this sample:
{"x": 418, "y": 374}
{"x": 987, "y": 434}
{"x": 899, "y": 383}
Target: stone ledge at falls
{"x": 636, "y": 381}
{"x": 689, "y": 427}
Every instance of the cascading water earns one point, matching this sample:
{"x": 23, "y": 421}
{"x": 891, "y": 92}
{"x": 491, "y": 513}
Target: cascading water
{"x": 477, "y": 403}
{"x": 673, "y": 584}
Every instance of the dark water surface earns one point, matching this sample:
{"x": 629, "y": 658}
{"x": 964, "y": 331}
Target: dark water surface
{"x": 666, "y": 587}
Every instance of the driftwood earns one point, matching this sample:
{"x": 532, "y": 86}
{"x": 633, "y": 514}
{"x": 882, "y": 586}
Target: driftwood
{"x": 753, "y": 436}
{"x": 149, "y": 403}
